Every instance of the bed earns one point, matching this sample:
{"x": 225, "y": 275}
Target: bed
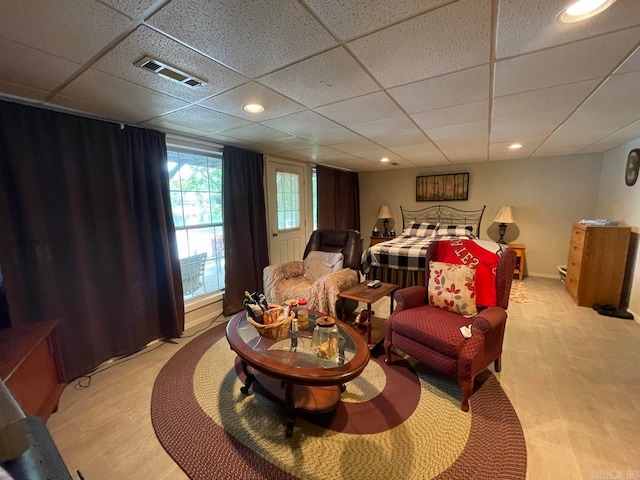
{"x": 402, "y": 260}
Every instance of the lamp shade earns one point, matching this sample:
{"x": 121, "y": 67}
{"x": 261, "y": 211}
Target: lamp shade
{"x": 384, "y": 212}
{"x": 504, "y": 215}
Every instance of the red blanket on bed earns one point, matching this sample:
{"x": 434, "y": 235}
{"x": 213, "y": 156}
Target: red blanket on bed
{"x": 468, "y": 252}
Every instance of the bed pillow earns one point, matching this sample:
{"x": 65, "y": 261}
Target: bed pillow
{"x": 452, "y": 288}
{"x": 420, "y": 229}
{"x": 455, "y": 231}
{"x": 318, "y": 264}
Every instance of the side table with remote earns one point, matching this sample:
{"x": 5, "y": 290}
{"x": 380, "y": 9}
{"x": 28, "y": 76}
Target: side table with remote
{"x": 364, "y": 294}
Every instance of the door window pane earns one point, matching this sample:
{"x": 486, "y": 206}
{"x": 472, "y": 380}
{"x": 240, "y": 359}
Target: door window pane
{"x": 287, "y": 188}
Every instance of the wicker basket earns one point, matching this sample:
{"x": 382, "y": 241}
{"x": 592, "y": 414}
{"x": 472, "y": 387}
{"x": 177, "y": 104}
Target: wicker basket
{"x": 274, "y": 331}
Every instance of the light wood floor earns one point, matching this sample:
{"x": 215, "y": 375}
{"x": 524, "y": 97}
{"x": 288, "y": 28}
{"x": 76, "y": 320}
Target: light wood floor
{"x": 572, "y": 375}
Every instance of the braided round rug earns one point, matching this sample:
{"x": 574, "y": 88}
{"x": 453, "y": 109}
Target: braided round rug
{"x": 397, "y": 421}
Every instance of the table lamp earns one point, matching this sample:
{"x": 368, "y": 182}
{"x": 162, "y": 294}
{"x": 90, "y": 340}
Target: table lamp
{"x": 385, "y": 214}
{"x": 504, "y": 216}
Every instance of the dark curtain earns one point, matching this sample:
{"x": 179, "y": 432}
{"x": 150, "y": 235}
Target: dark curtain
{"x": 245, "y": 225}
{"x": 338, "y": 199}
{"x": 87, "y": 233}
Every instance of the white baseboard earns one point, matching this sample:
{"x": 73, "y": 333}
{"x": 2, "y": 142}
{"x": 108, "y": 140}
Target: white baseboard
{"x": 544, "y": 275}
{"x": 636, "y": 318}
{"x": 202, "y": 314}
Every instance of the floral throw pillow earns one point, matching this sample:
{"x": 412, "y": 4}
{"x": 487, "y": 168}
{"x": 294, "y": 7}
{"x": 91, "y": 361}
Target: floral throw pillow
{"x": 452, "y": 288}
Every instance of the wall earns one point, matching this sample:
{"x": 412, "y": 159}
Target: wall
{"x": 547, "y": 195}
{"x": 619, "y": 202}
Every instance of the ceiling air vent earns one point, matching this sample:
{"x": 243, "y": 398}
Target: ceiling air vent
{"x": 167, "y": 71}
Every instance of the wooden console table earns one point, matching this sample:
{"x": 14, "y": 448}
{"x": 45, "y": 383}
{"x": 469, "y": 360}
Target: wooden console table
{"x": 31, "y": 368}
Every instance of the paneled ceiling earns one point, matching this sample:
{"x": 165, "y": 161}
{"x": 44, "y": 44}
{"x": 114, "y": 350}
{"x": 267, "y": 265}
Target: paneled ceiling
{"x": 343, "y": 83}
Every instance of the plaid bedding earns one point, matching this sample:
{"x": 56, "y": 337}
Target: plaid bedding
{"x": 403, "y": 253}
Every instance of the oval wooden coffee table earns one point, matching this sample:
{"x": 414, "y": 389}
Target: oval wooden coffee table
{"x": 290, "y": 372}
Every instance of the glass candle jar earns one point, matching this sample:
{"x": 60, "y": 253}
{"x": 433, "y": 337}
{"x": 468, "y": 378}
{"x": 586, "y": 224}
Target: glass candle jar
{"x": 325, "y": 338}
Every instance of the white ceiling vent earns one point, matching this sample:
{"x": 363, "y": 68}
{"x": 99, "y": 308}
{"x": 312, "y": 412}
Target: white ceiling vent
{"x": 172, "y": 73}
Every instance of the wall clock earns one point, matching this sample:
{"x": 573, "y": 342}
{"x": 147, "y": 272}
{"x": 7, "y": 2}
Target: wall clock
{"x": 633, "y": 165}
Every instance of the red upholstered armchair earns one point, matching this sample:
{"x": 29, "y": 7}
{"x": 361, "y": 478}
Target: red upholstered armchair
{"x": 432, "y": 335}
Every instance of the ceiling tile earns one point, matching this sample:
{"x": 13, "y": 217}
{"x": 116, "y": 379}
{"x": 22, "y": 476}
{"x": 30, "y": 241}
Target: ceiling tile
{"x": 201, "y": 118}
{"x": 353, "y": 164}
{"x": 466, "y": 154}
{"x": 340, "y": 157}
{"x": 173, "y": 128}
{"x": 617, "y": 101}
{"x": 445, "y": 91}
{"x": 224, "y": 140}
{"x": 624, "y": 135}
{"x": 255, "y": 133}
{"x": 326, "y": 78}
{"x": 632, "y": 64}
{"x": 389, "y": 126}
{"x": 116, "y": 99}
{"x": 23, "y": 66}
{"x": 301, "y": 123}
{"x": 316, "y": 151}
{"x": 351, "y": 19}
{"x": 132, "y": 8}
{"x": 588, "y": 59}
{"x": 419, "y": 151}
{"x": 355, "y": 146}
{"x": 526, "y": 127}
{"x": 333, "y": 136}
{"x": 377, "y": 154}
{"x": 120, "y": 62}
{"x": 500, "y": 151}
{"x": 430, "y": 161}
{"x": 21, "y": 91}
{"x": 74, "y": 29}
{"x": 231, "y": 102}
{"x": 445, "y": 117}
{"x": 375, "y": 106}
{"x": 282, "y": 145}
{"x": 524, "y": 26}
{"x": 251, "y": 37}
{"x": 461, "y": 135}
{"x": 395, "y": 140}
{"x": 546, "y": 99}
{"x": 450, "y": 38}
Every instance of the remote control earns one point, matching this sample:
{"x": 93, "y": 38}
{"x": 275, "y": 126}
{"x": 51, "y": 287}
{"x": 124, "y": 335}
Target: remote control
{"x": 374, "y": 284}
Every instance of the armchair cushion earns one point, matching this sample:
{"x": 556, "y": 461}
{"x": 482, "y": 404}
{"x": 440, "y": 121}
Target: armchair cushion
{"x": 452, "y": 288}
{"x": 292, "y": 269}
{"x": 318, "y": 264}
{"x": 431, "y": 327}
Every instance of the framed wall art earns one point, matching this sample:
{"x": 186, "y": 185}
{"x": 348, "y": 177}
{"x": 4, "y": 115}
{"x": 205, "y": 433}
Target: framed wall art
{"x": 442, "y": 188}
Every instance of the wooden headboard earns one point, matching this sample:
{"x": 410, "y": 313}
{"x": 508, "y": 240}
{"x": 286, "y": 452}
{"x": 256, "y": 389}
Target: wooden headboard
{"x": 445, "y": 216}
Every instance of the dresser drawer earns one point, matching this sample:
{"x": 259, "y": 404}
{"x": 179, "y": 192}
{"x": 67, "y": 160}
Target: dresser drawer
{"x": 572, "y": 281}
{"x": 574, "y": 262}
{"x": 577, "y": 236}
{"x": 576, "y": 249}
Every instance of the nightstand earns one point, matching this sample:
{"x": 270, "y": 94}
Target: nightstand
{"x": 376, "y": 240}
{"x": 520, "y": 260}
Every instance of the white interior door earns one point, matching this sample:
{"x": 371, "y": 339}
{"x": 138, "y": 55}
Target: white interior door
{"x": 286, "y": 187}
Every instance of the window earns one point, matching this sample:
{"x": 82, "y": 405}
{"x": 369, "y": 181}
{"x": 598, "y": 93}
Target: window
{"x": 288, "y": 190}
{"x": 195, "y": 181}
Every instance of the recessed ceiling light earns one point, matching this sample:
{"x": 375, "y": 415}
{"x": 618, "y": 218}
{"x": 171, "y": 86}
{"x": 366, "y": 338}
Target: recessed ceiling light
{"x": 253, "y": 108}
{"x": 583, "y": 9}
{"x": 515, "y": 146}
{"x": 384, "y": 160}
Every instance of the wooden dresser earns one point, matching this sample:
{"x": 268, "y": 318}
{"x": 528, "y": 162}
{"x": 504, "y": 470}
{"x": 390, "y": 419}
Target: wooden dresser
{"x": 596, "y": 264}
{"x": 30, "y": 367}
